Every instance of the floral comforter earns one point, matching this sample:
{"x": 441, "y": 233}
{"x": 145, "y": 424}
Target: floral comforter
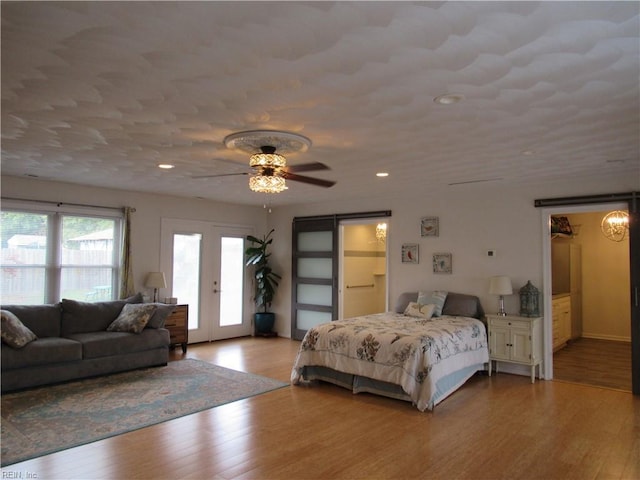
{"x": 391, "y": 347}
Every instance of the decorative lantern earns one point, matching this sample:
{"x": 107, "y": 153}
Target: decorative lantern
{"x": 529, "y": 301}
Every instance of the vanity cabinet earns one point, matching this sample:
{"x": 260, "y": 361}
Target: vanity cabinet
{"x": 561, "y": 320}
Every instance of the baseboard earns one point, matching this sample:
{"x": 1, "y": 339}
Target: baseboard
{"x": 613, "y": 338}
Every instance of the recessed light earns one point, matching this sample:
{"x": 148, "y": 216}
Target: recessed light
{"x": 449, "y": 98}
{"x": 528, "y": 152}
{"x": 382, "y": 174}
{"x": 166, "y": 166}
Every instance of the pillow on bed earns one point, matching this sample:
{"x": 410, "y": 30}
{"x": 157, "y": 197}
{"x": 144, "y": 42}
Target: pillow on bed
{"x": 437, "y": 297}
{"x": 462, "y": 305}
{"x": 420, "y": 311}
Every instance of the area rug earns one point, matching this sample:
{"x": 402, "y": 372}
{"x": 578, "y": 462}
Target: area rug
{"x": 49, "y": 419}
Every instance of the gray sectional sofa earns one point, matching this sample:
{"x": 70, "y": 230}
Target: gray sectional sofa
{"x": 72, "y": 342}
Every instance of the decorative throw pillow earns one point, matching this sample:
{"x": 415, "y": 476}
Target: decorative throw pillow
{"x": 415, "y": 309}
{"x": 163, "y": 310}
{"x": 132, "y": 318}
{"x": 14, "y": 332}
{"x": 437, "y": 297}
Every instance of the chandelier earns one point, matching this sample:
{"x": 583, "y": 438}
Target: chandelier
{"x": 615, "y": 225}
{"x": 381, "y": 232}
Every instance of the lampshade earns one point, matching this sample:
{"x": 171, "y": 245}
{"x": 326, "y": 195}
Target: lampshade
{"x": 155, "y": 280}
{"x": 500, "y": 285}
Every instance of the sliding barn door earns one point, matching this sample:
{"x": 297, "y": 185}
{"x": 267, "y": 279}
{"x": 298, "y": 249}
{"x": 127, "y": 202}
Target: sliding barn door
{"x": 314, "y": 274}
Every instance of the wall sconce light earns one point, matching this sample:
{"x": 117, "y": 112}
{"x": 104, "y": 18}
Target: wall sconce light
{"x": 501, "y": 285}
{"x": 615, "y": 225}
{"x": 155, "y": 280}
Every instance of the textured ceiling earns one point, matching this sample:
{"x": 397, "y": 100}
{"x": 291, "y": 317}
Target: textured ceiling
{"x": 99, "y": 93}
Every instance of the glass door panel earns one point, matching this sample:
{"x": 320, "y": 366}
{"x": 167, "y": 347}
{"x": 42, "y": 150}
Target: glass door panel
{"x": 318, "y": 241}
{"x": 308, "y": 319}
{"x": 315, "y": 294}
{"x": 315, "y": 267}
{"x": 187, "y": 250}
{"x": 232, "y": 270}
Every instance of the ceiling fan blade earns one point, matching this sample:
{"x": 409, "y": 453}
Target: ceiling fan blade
{"x": 312, "y": 181}
{"x": 220, "y": 175}
{"x": 306, "y": 167}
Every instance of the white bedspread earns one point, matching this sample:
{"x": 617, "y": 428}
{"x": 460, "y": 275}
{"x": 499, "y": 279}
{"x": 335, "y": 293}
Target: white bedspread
{"x": 398, "y": 349}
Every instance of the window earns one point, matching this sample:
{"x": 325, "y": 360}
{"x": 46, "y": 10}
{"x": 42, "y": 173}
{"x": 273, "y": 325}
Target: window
{"x": 61, "y": 253}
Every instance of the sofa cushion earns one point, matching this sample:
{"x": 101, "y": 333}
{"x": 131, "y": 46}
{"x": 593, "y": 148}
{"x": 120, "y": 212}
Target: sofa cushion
{"x": 43, "y": 351}
{"x": 14, "y": 333}
{"x": 82, "y": 317}
{"x": 132, "y": 318}
{"x": 163, "y": 310}
{"x": 42, "y": 320}
{"x": 105, "y": 344}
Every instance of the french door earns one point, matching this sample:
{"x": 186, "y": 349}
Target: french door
{"x": 204, "y": 268}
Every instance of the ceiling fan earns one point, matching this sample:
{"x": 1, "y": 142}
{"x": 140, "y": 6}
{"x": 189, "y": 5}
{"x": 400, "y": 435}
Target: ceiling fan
{"x": 269, "y": 169}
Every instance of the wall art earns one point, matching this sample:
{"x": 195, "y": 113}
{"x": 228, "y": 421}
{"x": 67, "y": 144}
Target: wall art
{"x": 429, "y": 227}
{"x": 442, "y": 263}
{"x": 410, "y": 252}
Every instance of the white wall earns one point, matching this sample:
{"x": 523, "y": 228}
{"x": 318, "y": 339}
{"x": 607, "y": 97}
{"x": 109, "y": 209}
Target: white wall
{"x": 473, "y": 219}
{"x": 150, "y": 209}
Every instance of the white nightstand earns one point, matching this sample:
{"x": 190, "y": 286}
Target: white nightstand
{"x": 516, "y": 339}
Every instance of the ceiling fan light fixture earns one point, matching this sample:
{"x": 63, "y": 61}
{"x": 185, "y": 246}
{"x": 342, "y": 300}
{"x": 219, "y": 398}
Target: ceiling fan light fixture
{"x": 267, "y": 184}
{"x": 270, "y": 160}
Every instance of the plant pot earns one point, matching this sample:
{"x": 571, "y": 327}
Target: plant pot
{"x": 263, "y": 322}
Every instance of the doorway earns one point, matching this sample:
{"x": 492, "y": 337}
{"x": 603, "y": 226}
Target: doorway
{"x": 204, "y": 266}
{"x": 589, "y": 277}
{"x": 317, "y": 270}
{"x": 363, "y": 267}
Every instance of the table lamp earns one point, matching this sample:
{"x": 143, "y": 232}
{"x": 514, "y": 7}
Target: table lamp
{"x": 155, "y": 280}
{"x": 501, "y": 285}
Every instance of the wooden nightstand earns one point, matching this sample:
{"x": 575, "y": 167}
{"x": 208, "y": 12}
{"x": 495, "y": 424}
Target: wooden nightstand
{"x": 516, "y": 339}
{"x": 178, "y": 325}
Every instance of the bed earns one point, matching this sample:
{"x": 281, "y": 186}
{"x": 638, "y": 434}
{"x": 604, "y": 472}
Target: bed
{"x": 420, "y": 352}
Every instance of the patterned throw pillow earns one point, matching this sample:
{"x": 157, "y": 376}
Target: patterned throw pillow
{"x": 14, "y": 332}
{"x": 132, "y": 318}
{"x": 420, "y": 311}
{"x": 436, "y": 297}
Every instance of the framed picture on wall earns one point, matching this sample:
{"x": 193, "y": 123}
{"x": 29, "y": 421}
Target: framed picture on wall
{"x": 442, "y": 263}
{"x": 410, "y": 253}
{"x": 429, "y": 227}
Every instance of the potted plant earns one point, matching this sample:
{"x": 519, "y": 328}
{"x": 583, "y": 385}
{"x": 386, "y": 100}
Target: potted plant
{"x": 265, "y": 282}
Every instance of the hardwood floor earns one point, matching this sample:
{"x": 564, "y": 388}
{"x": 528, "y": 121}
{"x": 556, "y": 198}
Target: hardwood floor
{"x": 589, "y": 361}
{"x": 501, "y": 427}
